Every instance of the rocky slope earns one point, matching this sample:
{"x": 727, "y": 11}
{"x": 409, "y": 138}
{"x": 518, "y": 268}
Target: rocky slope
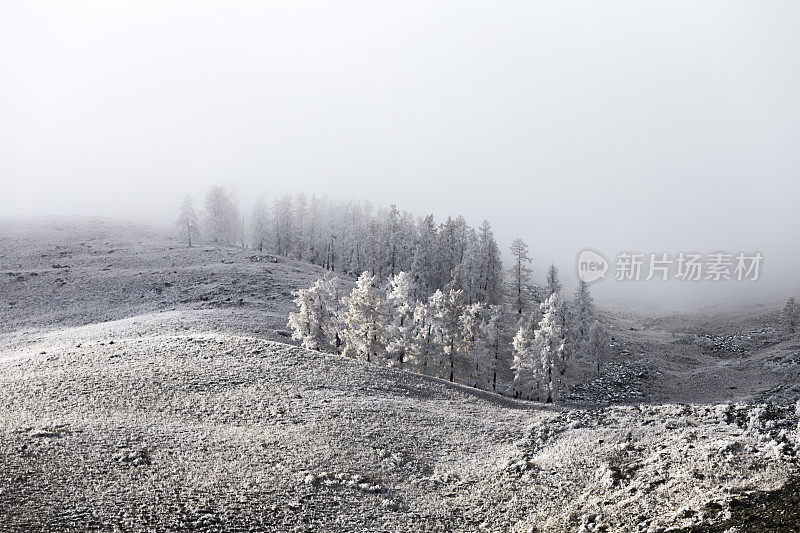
{"x": 144, "y": 389}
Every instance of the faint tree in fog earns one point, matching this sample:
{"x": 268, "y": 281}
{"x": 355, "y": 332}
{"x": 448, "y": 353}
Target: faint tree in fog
{"x": 598, "y": 345}
{"x": 260, "y": 225}
{"x": 284, "y": 223}
{"x": 490, "y": 267}
{"x": 583, "y": 317}
{"x": 563, "y": 312}
{"x": 187, "y": 224}
{"x": 553, "y": 282}
{"x": 221, "y": 217}
{"x": 353, "y": 236}
{"x": 520, "y": 274}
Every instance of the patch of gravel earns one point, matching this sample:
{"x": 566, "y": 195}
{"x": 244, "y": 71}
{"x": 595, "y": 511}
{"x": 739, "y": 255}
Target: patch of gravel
{"x": 739, "y": 343}
{"x": 620, "y": 382}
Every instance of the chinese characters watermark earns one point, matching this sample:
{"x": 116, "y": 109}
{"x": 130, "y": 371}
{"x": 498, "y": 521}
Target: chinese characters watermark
{"x": 683, "y": 266}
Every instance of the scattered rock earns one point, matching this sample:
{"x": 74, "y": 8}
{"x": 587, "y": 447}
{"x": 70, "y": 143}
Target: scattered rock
{"x": 356, "y": 481}
{"x": 138, "y": 457}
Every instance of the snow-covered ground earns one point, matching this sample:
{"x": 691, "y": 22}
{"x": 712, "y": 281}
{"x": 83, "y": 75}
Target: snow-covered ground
{"x": 146, "y": 386}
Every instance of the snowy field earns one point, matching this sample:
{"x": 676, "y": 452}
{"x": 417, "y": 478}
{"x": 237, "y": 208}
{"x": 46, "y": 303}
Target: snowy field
{"x": 146, "y": 386}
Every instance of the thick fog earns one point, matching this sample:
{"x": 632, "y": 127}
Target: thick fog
{"x": 636, "y": 126}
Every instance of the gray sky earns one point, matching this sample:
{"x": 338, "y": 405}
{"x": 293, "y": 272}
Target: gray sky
{"x": 651, "y": 126}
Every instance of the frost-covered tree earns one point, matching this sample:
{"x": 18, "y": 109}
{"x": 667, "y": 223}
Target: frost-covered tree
{"x": 221, "y": 217}
{"x": 331, "y": 254}
{"x": 187, "y": 225}
{"x": 424, "y": 261}
{"x": 373, "y": 251}
{"x": 490, "y": 267}
{"x": 583, "y": 316}
{"x": 364, "y": 319}
{"x": 350, "y": 225}
{"x": 520, "y": 275}
{"x": 390, "y": 239}
{"x": 447, "y": 308}
{"x": 407, "y": 241}
{"x": 491, "y": 332}
{"x": 314, "y": 234}
{"x": 549, "y": 339}
{"x": 473, "y": 345}
{"x": 466, "y": 274}
{"x": 598, "y": 345}
{"x": 447, "y": 252}
{"x": 315, "y": 322}
{"x": 553, "y": 281}
{"x": 527, "y": 361}
{"x": 563, "y": 312}
{"x": 284, "y": 225}
{"x": 791, "y": 315}
{"x": 300, "y": 242}
{"x": 424, "y": 348}
{"x": 401, "y": 305}
{"x": 260, "y": 225}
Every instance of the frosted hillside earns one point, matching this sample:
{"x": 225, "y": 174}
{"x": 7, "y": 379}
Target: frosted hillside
{"x": 147, "y": 386}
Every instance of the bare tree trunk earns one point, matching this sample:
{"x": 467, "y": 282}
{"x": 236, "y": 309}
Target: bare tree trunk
{"x": 452, "y": 357}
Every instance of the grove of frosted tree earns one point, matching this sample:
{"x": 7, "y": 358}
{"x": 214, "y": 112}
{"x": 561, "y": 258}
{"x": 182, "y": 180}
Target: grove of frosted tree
{"x": 445, "y": 337}
{"x": 350, "y": 237}
{"x": 430, "y": 297}
{"x": 441, "y": 336}
{"x": 541, "y": 355}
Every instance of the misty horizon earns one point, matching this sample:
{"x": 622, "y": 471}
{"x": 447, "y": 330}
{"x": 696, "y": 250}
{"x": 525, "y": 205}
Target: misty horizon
{"x": 627, "y": 127}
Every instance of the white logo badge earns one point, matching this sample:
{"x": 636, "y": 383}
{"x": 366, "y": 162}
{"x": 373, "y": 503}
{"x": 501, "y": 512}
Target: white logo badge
{"x": 591, "y": 266}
